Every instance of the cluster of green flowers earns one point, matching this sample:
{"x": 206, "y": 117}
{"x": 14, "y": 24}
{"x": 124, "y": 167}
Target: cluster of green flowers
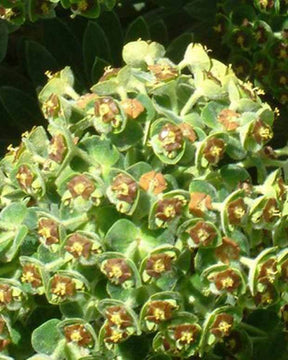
{"x": 257, "y": 37}
{"x": 18, "y": 11}
{"x": 151, "y": 210}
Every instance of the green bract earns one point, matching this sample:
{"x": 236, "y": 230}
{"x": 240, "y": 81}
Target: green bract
{"x": 149, "y": 221}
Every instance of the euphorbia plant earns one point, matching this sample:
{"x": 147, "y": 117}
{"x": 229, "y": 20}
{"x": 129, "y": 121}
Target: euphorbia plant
{"x": 149, "y": 222}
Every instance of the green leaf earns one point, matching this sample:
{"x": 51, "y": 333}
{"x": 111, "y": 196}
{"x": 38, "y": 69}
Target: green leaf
{"x": 177, "y": 47}
{"x": 13, "y": 215}
{"x": 129, "y": 137}
{"x": 38, "y": 60}
{"x": 17, "y": 242}
{"x": 159, "y": 32}
{"x": 98, "y": 69}
{"x": 95, "y": 44}
{"x": 110, "y": 23}
{"x": 46, "y": 337}
{"x": 22, "y": 108}
{"x": 101, "y": 150}
{"x": 65, "y": 48}
{"x": 3, "y": 40}
{"x": 138, "y": 29}
{"x": 130, "y": 240}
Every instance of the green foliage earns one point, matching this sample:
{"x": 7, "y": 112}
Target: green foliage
{"x": 150, "y": 220}
{"x": 17, "y": 12}
{"x": 256, "y": 35}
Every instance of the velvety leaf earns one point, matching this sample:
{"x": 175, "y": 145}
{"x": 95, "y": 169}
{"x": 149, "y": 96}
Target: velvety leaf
{"x": 38, "y": 61}
{"x": 138, "y": 29}
{"x": 22, "y": 108}
{"x": 95, "y": 44}
{"x": 3, "y": 40}
{"x": 111, "y": 25}
{"x": 46, "y": 337}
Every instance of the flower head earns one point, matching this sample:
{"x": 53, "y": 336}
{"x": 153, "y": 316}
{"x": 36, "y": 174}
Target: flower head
{"x": 31, "y": 275}
{"x": 228, "y": 250}
{"x": 5, "y": 294}
{"x": 132, "y": 108}
{"x": 158, "y": 264}
{"x": 265, "y": 297}
{"x": 222, "y": 325}
{"x": 168, "y": 209}
{"x": 114, "y": 335}
{"x": 118, "y": 316}
{"x": 81, "y": 185}
{"x": 78, "y": 245}
{"x": 227, "y": 280}
{"x": 51, "y": 107}
{"x": 78, "y": 335}
{"x": 48, "y": 231}
{"x": 214, "y": 150}
{"x": 159, "y": 310}
{"x": 261, "y": 132}
{"x": 171, "y": 139}
{"x": 25, "y": 177}
{"x": 62, "y": 287}
{"x": 268, "y": 271}
{"x": 236, "y": 209}
{"x": 228, "y": 118}
{"x": 271, "y": 211}
{"x": 153, "y": 181}
{"x": 199, "y": 203}
{"x": 185, "y": 334}
{"x": 109, "y": 73}
{"x": 125, "y": 188}
{"x": 57, "y": 148}
{"x": 163, "y": 72}
{"x": 106, "y": 109}
{"x": 117, "y": 270}
{"x": 188, "y": 132}
{"x": 202, "y": 233}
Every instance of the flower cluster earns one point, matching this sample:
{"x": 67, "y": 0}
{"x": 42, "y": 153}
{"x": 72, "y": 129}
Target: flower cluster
{"x": 256, "y": 35}
{"x": 152, "y": 211}
{"x": 17, "y": 11}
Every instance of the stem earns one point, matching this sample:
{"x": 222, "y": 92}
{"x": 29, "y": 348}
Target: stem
{"x": 58, "y": 263}
{"x": 81, "y": 218}
{"x": 247, "y": 261}
{"x": 190, "y": 103}
{"x": 58, "y": 352}
{"x": 254, "y": 330}
{"x": 282, "y": 152}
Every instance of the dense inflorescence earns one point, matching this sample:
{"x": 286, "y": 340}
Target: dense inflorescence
{"x": 18, "y": 11}
{"x": 150, "y": 221}
{"x": 256, "y": 34}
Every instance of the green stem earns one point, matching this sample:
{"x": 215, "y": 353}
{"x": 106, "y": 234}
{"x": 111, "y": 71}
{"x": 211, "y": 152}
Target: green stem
{"x": 253, "y": 329}
{"x": 191, "y": 102}
{"x": 247, "y": 261}
{"x": 282, "y": 152}
{"x": 54, "y": 265}
{"x": 81, "y": 218}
